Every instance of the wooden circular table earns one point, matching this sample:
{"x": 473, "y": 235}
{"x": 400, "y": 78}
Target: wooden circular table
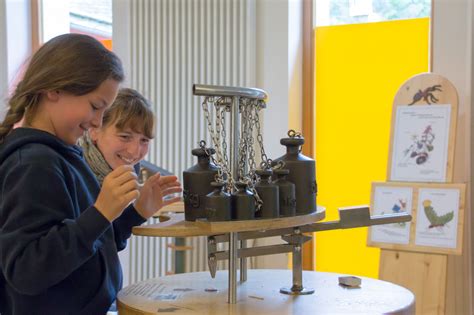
{"x": 197, "y": 293}
{"x": 174, "y": 225}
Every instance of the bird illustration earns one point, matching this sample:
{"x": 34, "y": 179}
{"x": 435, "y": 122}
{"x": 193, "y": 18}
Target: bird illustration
{"x": 435, "y": 219}
{"x": 396, "y": 208}
{"x": 399, "y": 208}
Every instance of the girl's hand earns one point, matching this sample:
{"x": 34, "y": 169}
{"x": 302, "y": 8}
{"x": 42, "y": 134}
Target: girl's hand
{"x": 119, "y": 189}
{"x": 153, "y": 192}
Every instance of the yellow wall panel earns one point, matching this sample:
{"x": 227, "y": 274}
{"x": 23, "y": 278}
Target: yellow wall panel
{"x": 359, "y": 68}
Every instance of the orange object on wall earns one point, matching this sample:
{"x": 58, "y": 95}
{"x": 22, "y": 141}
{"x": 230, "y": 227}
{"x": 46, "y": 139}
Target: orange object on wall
{"x": 107, "y": 43}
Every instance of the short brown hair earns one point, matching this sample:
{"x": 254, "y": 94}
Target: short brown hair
{"x": 130, "y": 110}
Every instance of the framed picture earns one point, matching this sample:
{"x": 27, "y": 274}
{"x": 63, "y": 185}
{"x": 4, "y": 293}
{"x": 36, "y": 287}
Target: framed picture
{"x": 421, "y": 143}
{"x": 437, "y": 216}
{"x": 387, "y": 200}
{"x": 423, "y": 130}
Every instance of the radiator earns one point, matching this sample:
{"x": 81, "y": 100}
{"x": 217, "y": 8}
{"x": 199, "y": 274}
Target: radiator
{"x": 149, "y": 257}
{"x": 174, "y": 44}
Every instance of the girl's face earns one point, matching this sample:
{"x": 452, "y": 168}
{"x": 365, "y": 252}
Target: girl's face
{"x": 68, "y": 116}
{"x": 120, "y": 147}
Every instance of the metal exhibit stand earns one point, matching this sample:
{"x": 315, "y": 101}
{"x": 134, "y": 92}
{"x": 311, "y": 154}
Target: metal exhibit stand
{"x": 293, "y": 236}
{"x": 350, "y": 217}
{"x": 290, "y": 229}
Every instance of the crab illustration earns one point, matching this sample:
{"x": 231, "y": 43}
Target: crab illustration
{"x": 426, "y": 95}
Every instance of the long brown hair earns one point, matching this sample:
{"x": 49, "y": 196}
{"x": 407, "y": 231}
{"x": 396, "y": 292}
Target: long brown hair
{"x": 73, "y": 63}
{"x": 130, "y": 110}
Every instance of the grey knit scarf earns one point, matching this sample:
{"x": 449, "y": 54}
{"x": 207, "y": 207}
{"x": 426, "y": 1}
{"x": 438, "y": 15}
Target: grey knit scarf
{"x": 94, "y": 158}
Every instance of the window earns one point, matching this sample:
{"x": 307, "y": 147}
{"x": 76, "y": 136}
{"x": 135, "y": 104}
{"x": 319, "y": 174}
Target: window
{"x": 91, "y": 17}
{"x": 359, "y": 67}
{"x": 336, "y": 12}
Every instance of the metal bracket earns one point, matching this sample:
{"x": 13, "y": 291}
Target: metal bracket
{"x": 350, "y": 217}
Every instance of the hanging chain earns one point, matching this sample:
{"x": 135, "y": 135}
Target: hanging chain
{"x": 266, "y": 162}
{"x": 225, "y": 107}
{"x": 250, "y": 142}
{"x": 243, "y": 144}
{"x": 202, "y": 145}
{"x": 250, "y": 122}
{"x": 248, "y": 117}
{"x": 219, "y": 160}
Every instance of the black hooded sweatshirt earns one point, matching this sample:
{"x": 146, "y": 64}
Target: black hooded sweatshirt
{"x": 58, "y": 253}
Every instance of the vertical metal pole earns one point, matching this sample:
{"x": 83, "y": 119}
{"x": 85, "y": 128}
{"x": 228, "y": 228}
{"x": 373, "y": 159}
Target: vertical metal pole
{"x": 234, "y": 164}
{"x": 297, "y": 288}
{"x": 243, "y": 263}
{"x": 243, "y": 243}
{"x": 297, "y": 268}
{"x": 232, "y": 297}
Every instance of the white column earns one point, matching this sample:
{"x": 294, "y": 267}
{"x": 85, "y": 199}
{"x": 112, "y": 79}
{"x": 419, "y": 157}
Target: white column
{"x": 121, "y": 37}
{"x": 15, "y": 43}
{"x": 452, "y": 47}
{"x": 55, "y": 19}
{"x": 279, "y": 72}
{"x": 3, "y": 57}
{"x": 279, "y": 68}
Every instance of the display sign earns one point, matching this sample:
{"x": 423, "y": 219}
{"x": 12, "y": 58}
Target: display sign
{"x": 437, "y": 211}
{"x": 420, "y": 143}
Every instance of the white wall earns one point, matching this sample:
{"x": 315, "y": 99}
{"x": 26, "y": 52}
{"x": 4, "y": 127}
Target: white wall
{"x": 55, "y": 19}
{"x": 452, "y": 47}
{"x": 15, "y": 43}
{"x": 279, "y": 72}
{"x": 121, "y": 35}
{"x": 3, "y": 57}
{"x": 279, "y": 68}
{"x": 121, "y": 42}
{"x": 295, "y": 65}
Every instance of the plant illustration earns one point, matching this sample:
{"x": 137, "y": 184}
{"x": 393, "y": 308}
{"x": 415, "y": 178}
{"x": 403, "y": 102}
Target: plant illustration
{"x": 421, "y": 146}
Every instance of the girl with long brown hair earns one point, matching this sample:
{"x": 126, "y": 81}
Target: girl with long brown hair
{"x": 59, "y": 230}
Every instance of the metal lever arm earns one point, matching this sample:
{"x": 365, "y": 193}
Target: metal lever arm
{"x": 351, "y": 217}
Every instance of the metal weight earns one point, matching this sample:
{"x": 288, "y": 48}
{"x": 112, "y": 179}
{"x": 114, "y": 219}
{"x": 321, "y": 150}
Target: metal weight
{"x": 286, "y": 193}
{"x": 269, "y": 194}
{"x": 243, "y": 203}
{"x": 197, "y": 183}
{"x": 302, "y": 173}
{"x": 218, "y": 205}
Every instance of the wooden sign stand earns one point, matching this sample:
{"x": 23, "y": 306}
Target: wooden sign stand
{"x": 422, "y": 273}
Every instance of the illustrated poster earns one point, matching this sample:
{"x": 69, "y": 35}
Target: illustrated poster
{"x": 389, "y": 200}
{"x": 437, "y": 217}
{"x": 420, "y": 144}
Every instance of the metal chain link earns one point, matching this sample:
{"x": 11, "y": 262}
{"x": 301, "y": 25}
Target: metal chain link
{"x": 219, "y": 160}
{"x": 252, "y": 164}
{"x": 218, "y": 177}
{"x": 250, "y": 122}
{"x": 223, "y": 109}
{"x": 266, "y": 162}
{"x": 243, "y": 145}
{"x": 247, "y": 136}
{"x": 295, "y": 134}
